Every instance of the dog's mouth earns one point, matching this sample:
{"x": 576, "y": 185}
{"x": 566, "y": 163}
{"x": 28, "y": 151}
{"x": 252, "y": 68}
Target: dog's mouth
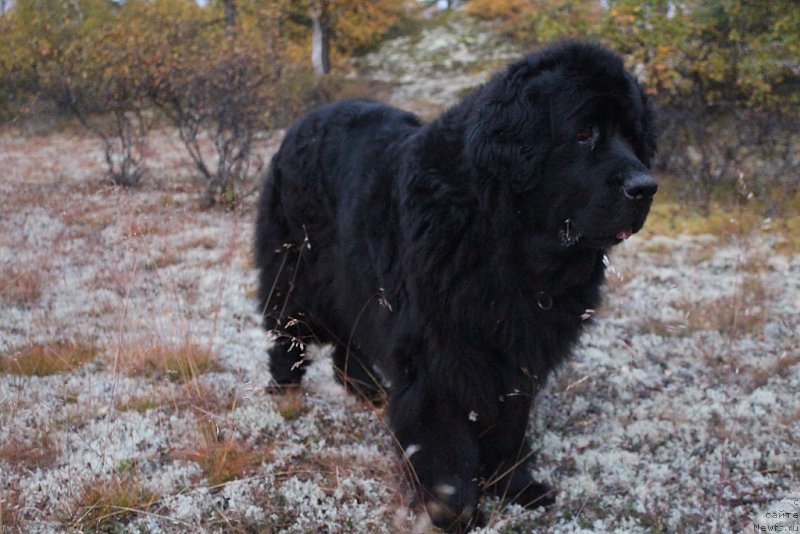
{"x": 570, "y": 236}
{"x": 622, "y": 235}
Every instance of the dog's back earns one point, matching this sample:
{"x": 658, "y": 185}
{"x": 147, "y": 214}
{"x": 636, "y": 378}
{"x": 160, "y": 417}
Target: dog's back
{"x": 331, "y": 176}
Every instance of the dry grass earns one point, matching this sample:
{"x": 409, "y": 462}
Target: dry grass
{"x": 96, "y": 219}
{"x": 746, "y": 309}
{"x": 673, "y": 218}
{"x": 204, "y": 242}
{"x": 743, "y": 312}
{"x": 38, "y": 452}
{"x": 788, "y": 228}
{"x": 140, "y": 227}
{"x": 100, "y": 208}
{"x": 731, "y": 315}
{"x": 760, "y": 376}
{"x": 192, "y": 395}
{"x": 291, "y": 404}
{"x": 161, "y": 260}
{"x": 45, "y": 359}
{"x": 222, "y": 458}
{"x": 616, "y": 279}
{"x": 109, "y": 503}
{"x": 20, "y": 287}
{"x": 10, "y": 510}
{"x": 179, "y": 362}
{"x": 143, "y": 403}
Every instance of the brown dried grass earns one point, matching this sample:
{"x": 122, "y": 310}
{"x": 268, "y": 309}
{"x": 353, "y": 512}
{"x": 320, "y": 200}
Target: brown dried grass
{"x": 104, "y": 504}
{"x": 45, "y": 359}
{"x": 38, "y": 452}
{"x": 745, "y": 310}
{"x": 222, "y": 458}
{"x": 10, "y": 510}
{"x": 182, "y": 362}
{"x": 20, "y": 287}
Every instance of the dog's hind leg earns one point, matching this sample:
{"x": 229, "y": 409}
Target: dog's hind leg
{"x": 284, "y": 317}
{"x": 287, "y": 355}
{"x": 287, "y": 363}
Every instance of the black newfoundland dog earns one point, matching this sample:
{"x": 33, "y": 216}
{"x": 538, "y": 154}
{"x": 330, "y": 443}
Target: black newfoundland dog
{"x": 454, "y": 264}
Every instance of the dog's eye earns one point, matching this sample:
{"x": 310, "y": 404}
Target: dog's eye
{"x": 587, "y": 135}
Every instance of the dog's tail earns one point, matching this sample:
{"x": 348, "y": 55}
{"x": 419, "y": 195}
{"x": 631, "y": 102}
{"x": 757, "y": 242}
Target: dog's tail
{"x": 271, "y": 232}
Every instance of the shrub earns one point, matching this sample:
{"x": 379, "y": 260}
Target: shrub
{"x": 215, "y": 84}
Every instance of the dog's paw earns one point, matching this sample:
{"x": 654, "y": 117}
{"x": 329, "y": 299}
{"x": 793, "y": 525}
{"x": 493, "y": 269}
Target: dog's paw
{"x": 453, "y": 507}
{"x": 520, "y": 488}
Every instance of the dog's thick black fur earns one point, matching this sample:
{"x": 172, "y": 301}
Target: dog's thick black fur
{"x": 454, "y": 264}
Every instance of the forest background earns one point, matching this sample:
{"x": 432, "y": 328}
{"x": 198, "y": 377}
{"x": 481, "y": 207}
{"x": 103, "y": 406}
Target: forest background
{"x": 724, "y": 75}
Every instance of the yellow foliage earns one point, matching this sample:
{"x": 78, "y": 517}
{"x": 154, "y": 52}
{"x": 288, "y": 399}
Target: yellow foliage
{"x": 731, "y": 48}
{"x": 513, "y": 11}
{"x": 355, "y": 25}
{"x": 540, "y": 20}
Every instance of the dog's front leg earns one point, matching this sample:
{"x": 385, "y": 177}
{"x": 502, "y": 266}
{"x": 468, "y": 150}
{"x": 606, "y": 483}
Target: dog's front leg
{"x": 440, "y": 453}
{"x": 506, "y": 453}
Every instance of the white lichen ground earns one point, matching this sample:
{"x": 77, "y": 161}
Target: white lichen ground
{"x": 662, "y": 422}
{"x": 679, "y": 413}
{"x": 437, "y": 66}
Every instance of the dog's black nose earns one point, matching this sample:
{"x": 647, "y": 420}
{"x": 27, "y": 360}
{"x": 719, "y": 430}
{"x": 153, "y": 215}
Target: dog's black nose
{"x": 639, "y": 186}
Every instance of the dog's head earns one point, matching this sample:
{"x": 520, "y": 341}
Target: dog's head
{"x": 571, "y": 132}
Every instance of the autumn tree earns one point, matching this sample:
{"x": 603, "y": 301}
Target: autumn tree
{"x": 117, "y": 67}
{"x": 541, "y": 21}
{"x": 108, "y": 89}
{"x": 229, "y": 8}
{"x": 41, "y": 41}
{"x": 74, "y": 54}
{"x": 216, "y": 86}
{"x": 16, "y": 76}
{"x": 338, "y": 28}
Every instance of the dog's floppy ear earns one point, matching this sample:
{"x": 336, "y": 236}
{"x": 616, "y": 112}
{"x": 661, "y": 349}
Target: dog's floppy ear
{"x": 646, "y": 133}
{"x": 508, "y": 131}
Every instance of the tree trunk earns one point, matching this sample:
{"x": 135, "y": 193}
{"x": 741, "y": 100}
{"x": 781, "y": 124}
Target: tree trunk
{"x": 320, "y": 37}
{"x": 230, "y": 13}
